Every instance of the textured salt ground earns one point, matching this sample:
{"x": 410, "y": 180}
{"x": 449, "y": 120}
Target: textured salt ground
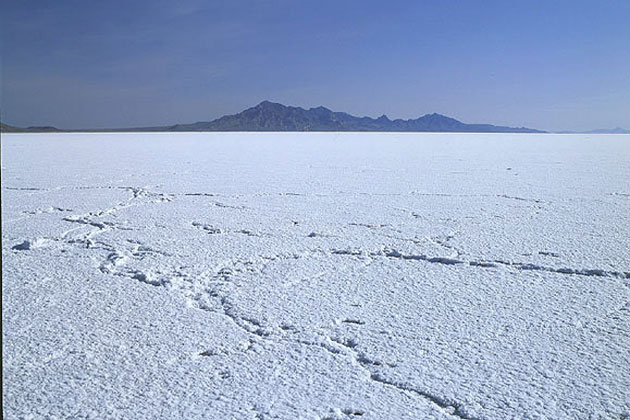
{"x": 316, "y": 276}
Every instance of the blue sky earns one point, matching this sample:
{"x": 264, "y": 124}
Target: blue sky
{"x": 554, "y": 65}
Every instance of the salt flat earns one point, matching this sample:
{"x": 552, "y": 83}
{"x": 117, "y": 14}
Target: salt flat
{"x": 316, "y": 276}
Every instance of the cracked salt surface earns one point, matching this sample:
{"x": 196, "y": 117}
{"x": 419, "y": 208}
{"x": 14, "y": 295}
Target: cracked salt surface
{"x": 316, "y": 275}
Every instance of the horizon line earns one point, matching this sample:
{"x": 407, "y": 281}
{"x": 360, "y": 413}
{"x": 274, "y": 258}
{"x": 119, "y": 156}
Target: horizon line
{"x": 163, "y": 128}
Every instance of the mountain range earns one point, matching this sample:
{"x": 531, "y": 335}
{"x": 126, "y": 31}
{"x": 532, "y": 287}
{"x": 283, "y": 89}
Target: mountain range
{"x": 270, "y": 116}
{"x": 6, "y": 128}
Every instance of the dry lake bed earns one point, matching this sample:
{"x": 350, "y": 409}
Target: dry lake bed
{"x": 316, "y": 276}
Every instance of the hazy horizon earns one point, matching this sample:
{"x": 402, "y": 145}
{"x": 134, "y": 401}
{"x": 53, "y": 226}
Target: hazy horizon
{"x": 555, "y": 67}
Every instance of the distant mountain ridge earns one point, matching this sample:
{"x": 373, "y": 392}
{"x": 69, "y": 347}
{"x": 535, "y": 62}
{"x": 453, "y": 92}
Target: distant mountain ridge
{"x": 270, "y": 116}
{"x": 6, "y": 128}
{"x": 617, "y": 130}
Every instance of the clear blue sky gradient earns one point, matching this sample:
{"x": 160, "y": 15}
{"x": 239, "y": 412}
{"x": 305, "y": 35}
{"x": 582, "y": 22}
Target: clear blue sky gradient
{"x": 554, "y": 65}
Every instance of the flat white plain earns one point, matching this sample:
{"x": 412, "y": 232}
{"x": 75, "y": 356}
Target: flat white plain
{"x": 316, "y": 276}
